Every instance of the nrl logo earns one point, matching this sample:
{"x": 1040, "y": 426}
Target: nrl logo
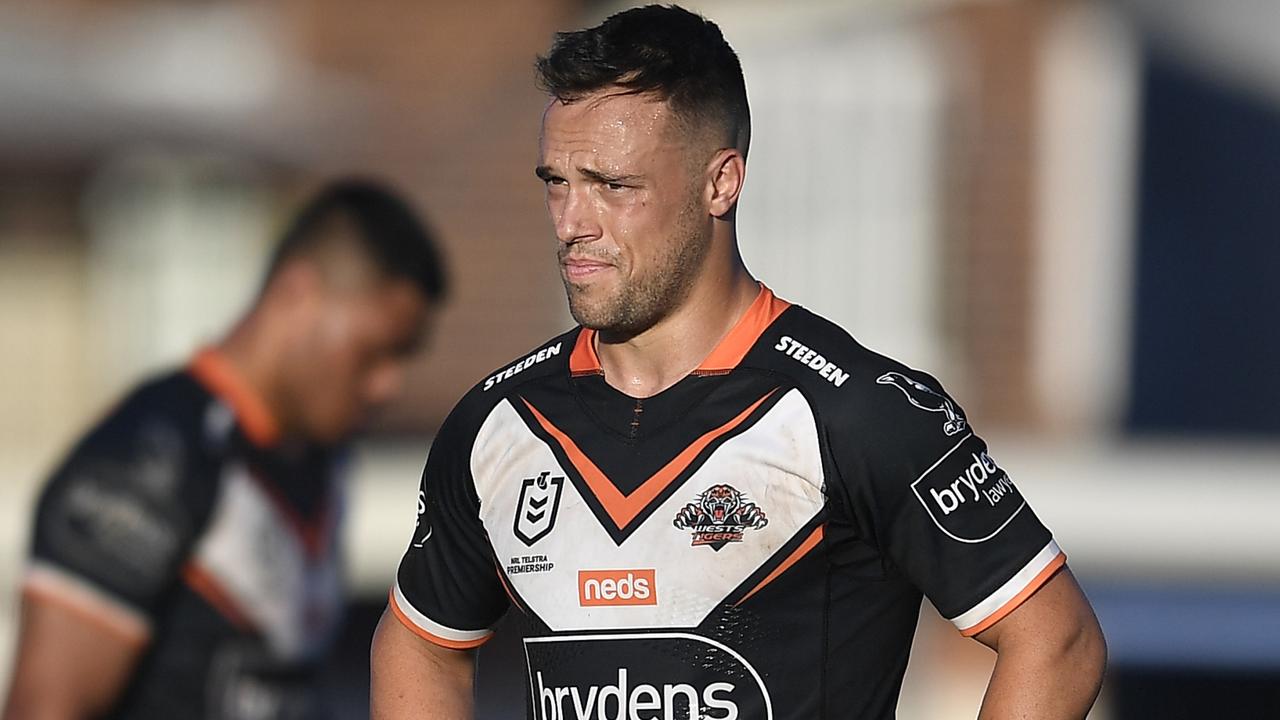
{"x": 719, "y": 516}
{"x": 536, "y": 509}
{"x": 926, "y": 398}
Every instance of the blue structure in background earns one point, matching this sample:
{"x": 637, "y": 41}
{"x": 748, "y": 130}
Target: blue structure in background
{"x": 1191, "y": 628}
{"x": 1206, "y": 361}
{"x": 1206, "y": 354}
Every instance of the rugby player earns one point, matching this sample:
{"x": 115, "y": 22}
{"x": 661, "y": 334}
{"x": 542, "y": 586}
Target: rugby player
{"x": 708, "y": 502}
{"x": 185, "y": 555}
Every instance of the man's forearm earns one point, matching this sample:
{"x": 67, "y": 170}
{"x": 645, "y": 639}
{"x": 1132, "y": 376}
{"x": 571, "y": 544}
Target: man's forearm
{"x": 411, "y": 678}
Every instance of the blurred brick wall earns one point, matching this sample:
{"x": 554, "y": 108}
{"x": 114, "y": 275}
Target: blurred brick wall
{"x": 455, "y": 123}
{"x": 990, "y": 202}
{"x": 44, "y": 354}
{"x": 448, "y": 112}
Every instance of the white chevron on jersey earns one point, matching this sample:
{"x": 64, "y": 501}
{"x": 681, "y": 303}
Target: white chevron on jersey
{"x": 262, "y": 566}
{"x": 775, "y": 463}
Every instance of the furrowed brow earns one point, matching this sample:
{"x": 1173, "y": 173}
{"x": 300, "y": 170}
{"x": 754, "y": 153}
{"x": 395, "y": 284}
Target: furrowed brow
{"x": 606, "y": 177}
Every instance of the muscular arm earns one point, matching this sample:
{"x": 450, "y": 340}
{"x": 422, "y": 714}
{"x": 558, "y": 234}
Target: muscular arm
{"x": 1051, "y": 656}
{"x": 414, "y": 678}
{"x": 69, "y": 667}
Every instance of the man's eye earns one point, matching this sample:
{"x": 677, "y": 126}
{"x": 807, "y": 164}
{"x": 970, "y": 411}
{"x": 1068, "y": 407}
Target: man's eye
{"x": 615, "y": 186}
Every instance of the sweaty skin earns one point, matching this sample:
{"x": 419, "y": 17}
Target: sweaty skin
{"x": 643, "y": 213}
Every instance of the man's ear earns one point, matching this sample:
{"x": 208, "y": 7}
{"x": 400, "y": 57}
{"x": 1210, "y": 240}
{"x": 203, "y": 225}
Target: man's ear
{"x": 296, "y": 282}
{"x": 726, "y": 173}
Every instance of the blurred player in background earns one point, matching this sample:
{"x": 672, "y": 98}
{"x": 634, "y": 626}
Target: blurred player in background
{"x": 185, "y": 556}
{"x": 710, "y": 503}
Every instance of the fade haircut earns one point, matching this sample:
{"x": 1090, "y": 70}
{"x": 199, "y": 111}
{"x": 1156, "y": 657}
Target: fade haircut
{"x": 389, "y": 234}
{"x": 663, "y": 51}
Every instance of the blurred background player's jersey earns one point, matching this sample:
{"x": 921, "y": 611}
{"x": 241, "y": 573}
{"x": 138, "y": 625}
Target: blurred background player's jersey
{"x": 180, "y": 523}
{"x": 752, "y": 542}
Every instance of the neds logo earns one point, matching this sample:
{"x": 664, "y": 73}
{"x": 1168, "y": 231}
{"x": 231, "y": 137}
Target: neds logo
{"x": 616, "y": 587}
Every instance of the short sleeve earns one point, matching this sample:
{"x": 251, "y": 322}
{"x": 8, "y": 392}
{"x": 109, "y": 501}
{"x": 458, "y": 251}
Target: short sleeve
{"x": 447, "y": 588}
{"x": 113, "y": 524}
{"x": 939, "y": 506}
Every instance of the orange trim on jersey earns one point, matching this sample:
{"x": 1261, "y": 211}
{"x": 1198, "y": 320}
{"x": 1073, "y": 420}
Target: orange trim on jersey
{"x": 204, "y": 584}
{"x": 1039, "y": 580}
{"x": 98, "y": 615}
{"x": 429, "y": 637}
{"x": 750, "y": 327}
{"x": 213, "y": 370}
{"x": 727, "y": 354}
{"x": 624, "y": 508}
{"x": 584, "y": 360}
{"x": 809, "y": 543}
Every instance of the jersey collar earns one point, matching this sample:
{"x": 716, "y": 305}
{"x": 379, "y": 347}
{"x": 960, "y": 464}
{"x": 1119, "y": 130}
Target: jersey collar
{"x": 725, "y": 357}
{"x": 215, "y": 372}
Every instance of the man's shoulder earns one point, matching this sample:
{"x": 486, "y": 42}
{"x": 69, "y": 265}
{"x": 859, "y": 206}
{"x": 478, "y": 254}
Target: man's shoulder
{"x": 543, "y": 362}
{"x": 172, "y": 404}
{"x": 165, "y": 435}
{"x": 152, "y": 450}
{"x": 547, "y": 359}
{"x": 837, "y": 372}
{"x": 817, "y": 353}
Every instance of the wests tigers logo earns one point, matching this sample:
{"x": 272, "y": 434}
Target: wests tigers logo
{"x": 719, "y": 516}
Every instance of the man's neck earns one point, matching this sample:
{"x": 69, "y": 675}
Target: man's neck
{"x": 247, "y": 348}
{"x": 646, "y": 364}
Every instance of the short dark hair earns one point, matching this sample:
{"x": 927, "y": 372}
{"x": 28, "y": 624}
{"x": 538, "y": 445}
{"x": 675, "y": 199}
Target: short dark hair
{"x": 666, "y": 51}
{"x": 390, "y": 234}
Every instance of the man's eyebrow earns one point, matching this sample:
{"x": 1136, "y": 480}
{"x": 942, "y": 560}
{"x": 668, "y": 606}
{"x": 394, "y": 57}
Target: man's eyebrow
{"x": 605, "y": 177}
{"x": 545, "y": 173}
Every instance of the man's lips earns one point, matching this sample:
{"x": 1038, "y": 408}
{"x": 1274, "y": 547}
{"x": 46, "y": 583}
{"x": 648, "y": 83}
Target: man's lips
{"x": 583, "y": 268}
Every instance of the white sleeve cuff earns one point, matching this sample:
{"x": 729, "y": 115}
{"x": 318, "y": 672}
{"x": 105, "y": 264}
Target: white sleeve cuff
{"x": 1010, "y": 595}
{"x": 54, "y": 584}
{"x": 428, "y": 629}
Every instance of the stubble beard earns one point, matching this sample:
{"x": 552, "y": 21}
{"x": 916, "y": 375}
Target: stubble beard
{"x": 641, "y": 301}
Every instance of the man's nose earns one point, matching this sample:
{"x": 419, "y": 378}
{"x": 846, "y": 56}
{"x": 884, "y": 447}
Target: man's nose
{"x": 576, "y": 219}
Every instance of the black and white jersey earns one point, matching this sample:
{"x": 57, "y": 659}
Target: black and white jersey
{"x": 180, "y": 525}
{"x": 752, "y": 542}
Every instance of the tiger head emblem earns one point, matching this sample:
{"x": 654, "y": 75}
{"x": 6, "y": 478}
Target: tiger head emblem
{"x": 720, "y": 502}
{"x": 719, "y": 515}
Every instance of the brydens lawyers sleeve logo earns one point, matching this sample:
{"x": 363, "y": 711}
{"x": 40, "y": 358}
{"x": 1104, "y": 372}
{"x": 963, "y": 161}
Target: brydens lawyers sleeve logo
{"x": 719, "y": 516}
{"x": 967, "y": 495}
{"x": 926, "y": 398}
{"x": 537, "y": 507}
